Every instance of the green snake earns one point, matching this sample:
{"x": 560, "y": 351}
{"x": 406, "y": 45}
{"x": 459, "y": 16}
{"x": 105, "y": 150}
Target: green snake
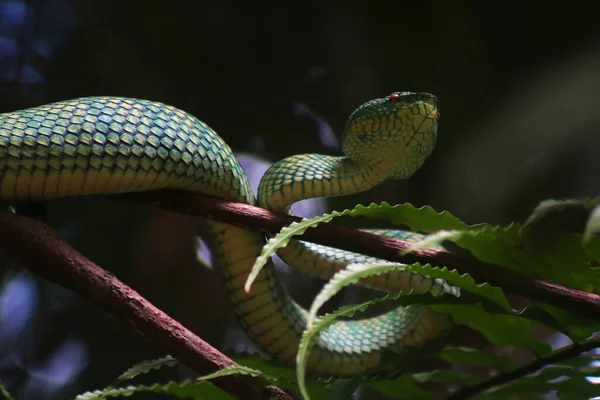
{"x": 109, "y": 145}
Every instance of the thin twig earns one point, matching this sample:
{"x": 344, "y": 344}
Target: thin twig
{"x": 583, "y": 303}
{"x": 38, "y": 247}
{"x": 562, "y": 354}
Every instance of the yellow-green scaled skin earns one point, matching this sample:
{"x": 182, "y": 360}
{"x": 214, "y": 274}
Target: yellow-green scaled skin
{"x": 102, "y": 145}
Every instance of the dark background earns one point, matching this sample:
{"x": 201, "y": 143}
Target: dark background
{"x": 518, "y": 84}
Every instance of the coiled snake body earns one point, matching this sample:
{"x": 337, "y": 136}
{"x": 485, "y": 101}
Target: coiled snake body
{"x": 102, "y": 145}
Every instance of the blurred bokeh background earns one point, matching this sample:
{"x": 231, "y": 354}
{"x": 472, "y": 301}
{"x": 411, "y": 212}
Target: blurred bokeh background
{"x": 518, "y": 84}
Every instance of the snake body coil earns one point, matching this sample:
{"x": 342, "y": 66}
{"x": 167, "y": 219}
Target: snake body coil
{"x": 102, "y": 145}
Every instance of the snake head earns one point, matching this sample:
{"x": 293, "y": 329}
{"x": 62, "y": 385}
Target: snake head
{"x": 394, "y": 134}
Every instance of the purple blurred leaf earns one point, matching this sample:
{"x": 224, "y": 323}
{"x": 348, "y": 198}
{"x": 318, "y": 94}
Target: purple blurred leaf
{"x": 30, "y": 32}
{"x": 12, "y": 16}
{"x": 18, "y": 299}
{"x": 60, "y": 369}
{"x": 324, "y": 131}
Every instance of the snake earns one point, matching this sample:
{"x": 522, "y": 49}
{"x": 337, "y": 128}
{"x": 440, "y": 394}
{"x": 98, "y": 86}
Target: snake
{"x": 112, "y": 145}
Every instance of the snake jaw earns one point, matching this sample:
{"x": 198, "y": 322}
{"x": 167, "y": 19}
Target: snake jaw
{"x": 394, "y": 134}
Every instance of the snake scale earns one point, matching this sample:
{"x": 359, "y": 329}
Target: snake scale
{"x": 109, "y": 145}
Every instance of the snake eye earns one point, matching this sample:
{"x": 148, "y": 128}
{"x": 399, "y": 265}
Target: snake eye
{"x": 394, "y": 98}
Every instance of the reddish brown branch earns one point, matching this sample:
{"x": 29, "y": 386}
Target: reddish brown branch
{"x": 584, "y": 303}
{"x": 39, "y": 248}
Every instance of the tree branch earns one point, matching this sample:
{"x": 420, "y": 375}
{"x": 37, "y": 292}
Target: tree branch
{"x": 587, "y": 304}
{"x": 38, "y": 247}
{"x": 562, "y": 354}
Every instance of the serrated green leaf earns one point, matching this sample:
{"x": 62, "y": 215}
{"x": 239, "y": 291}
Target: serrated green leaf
{"x": 541, "y": 316}
{"x": 477, "y": 357}
{"x": 281, "y": 240}
{"x": 550, "y": 207}
{"x": 573, "y": 384}
{"x": 343, "y": 388}
{"x": 501, "y": 246}
{"x": 577, "y": 387}
{"x": 352, "y": 274}
{"x": 464, "y": 281}
{"x": 502, "y": 329}
{"x": 309, "y": 337}
{"x": 183, "y": 390}
{"x": 581, "y": 361}
{"x": 424, "y": 219}
{"x": 577, "y": 327}
{"x": 565, "y": 262}
{"x": 143, "y": 368}
{"x": 433, "y": 240}
{"x": 267, "y": 366}
{"x": 561, "y": 258}
{"x": 286, "y": 376}
{"x": 445, "y": 375}
{"x": 493, "y": 244}
{"x": 5, "y": 392}
{"x": 197, "y": 389}
{"x": 237, "y": 370}
{"x": 497, "y": 245}
{"x": 403, "y": 386}
{"x": 592, "y": 249}
{"x": 488, "y": 243}
{"x": 402, "y": 213}
{"x": 530, "y": 396}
